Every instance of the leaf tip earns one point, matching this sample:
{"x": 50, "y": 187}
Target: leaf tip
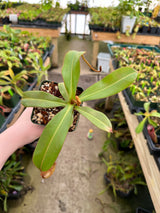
{"x": 48, "y": 173}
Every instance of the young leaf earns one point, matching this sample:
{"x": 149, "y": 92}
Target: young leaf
{"x": 52, "y": 139}
{"x": 63, "y": 91}
{"x": 96, "y": 117}
{"x": 146, "y": 106}
{"x": 18, "y": 90}
{"x": 140, "y": 126}
{"x": 154, "y": 124}
{"x": 110, "y": 85}
{"x": 71, "y": 72}
{"x": 155, "y": 114}
{"x": 41, "y": 99}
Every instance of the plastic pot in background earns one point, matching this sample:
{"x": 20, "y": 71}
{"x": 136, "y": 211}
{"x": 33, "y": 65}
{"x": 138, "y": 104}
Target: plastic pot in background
{"x": 127, "y": 23}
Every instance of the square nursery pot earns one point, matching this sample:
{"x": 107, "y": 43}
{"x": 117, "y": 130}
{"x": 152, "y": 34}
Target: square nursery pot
{"x": 127, "y": 22}
{"x": 145, "y": 29}
{"x": 153, "y": 30}
{"x": 42, "y": 116}
{"x": 120, "y": 193}
{"x": 158, "y": 30}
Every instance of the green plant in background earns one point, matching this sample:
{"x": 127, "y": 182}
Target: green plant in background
{"x": 128, "y": 7}
{"x": 123, "y": 174}
{"x": 40, "y": 70}
{"x": 147, "y": 117}
{"x": 11, "y": 179}
{"x": 52, "y": 139}
{"x": 12, "y": 81}
{"x": 46, "y": 4}
{"x": 9, "y": 59}
{"x": 10, "y": 34}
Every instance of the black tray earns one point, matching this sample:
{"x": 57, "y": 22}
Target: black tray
{"x": 151, "y": 145}
{"x": 15, "y": 109}
{"x": 135, "y": 106}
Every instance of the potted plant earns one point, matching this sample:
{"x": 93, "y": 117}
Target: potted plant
{"x": 129, "y": 12}
{"x": 123, "y": 176}
{"x": 52, "y": 139}
{"x": 13, "y": 86}
{"x": 121, "y": 131}
{"x": 102, "y": 22}
{"x": 11, "y": 180}
{"x": 150, "y": 125}
{"x": 146, "y": 62}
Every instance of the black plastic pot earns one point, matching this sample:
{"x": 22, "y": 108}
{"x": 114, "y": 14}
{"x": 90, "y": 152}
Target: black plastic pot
{"x": 5, "y": 20}
{"x": 158, "y": 30}
{"x": 121, "y": 147}
{"x": 120, "y": 193}
{"x": 76, "y": 114}
{"x": 145, "y": 29}
{"x": 153, "y": 30}
{"x": 135, "y": 105}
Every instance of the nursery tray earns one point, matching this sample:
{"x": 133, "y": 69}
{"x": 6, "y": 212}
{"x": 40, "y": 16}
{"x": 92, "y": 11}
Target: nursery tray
{"x": 15, "y": 109}
{"x": 132, "y": 46}
{"x": 142, "y": 210}
{"x": 151, "y": 145}
{"x": 135, "y": 106}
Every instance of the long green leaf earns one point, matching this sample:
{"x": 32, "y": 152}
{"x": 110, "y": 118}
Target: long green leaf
{"x": 110, "y": 85}
{"x": 41, "y": 99}
{"x": 52, "y": 139}
{"x": 63, "y": 91}
{"x": 71, "y": 72}
{"x": 97, "y": 118}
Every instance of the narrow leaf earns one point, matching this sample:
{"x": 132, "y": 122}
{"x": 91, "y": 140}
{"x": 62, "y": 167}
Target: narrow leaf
{"x": 99, "y": 119}
{"x": 140, "y": 126}
{"x": 18, "y": 90}
{"x": 63, "y": 91}
{"x": 11, "y": 73}
{"x": 155, "y": 114}
{"x": 154, "y": 124}
{"x": 52, "y": 139}
{"x": 71, "y": 72}
{"x": 41, "y": 99}
{"x": 110, "y": 85}
{"x": 146, "y": 106}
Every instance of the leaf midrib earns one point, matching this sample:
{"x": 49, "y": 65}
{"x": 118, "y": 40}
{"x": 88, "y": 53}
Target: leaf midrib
{"x": 94, "y": 93}
{"x": 45, "y": 153}
{"x": 92, "y": 116}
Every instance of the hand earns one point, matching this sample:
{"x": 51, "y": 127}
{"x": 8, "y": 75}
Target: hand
{"x": 25, "y": 129}
{"x": 22, "y": 132}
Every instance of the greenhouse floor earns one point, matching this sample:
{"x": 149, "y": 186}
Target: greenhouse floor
{"x": 78, "y": 180}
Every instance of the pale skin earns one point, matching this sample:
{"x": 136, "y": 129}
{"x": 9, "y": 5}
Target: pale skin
{"x": 22, "y": 132}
